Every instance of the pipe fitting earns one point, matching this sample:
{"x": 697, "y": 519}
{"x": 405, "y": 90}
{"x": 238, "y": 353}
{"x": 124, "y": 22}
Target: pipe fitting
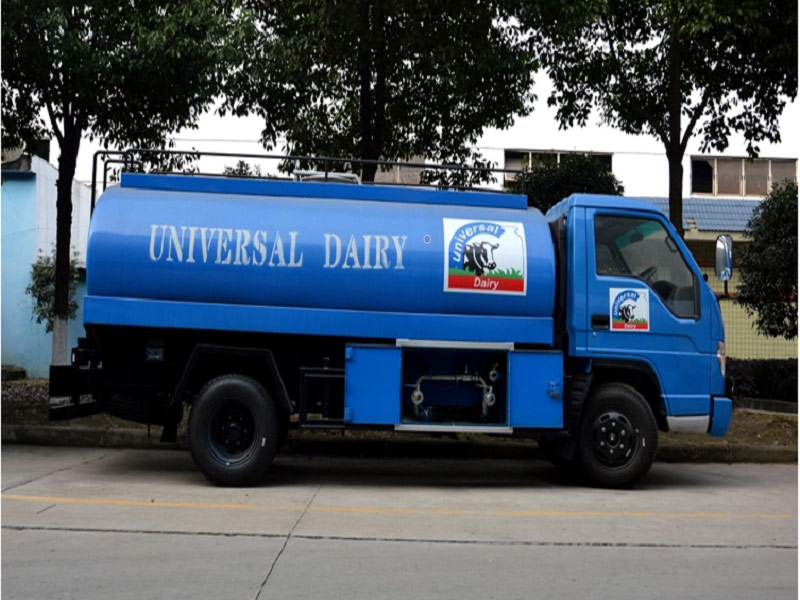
{"x": 417, "y": 397}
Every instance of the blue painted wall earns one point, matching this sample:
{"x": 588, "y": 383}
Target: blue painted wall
{"x": 24, "y": 343}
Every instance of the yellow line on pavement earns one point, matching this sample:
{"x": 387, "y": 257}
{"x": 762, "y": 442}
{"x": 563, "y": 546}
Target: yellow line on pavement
{"x": 153, "y": 503}
{"x": 392, "y": 510}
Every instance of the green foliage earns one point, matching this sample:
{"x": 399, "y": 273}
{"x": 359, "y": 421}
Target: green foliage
{"x": 42, "y": 289}
{"x": 768, "y": 263}
{"x": 548, "y": 183}
{"x": 381, "y": 79}
{"x": 670, "y": 69}
{"x": 773, "y": 379}
{"x": 164, "y": 160}
{"x": 243, "y": 169}
{"x": 124, "y": 72}
{"x": 478, "y": 172}
{"x": 21, "y": 120}
{"x": 127, "y": 73}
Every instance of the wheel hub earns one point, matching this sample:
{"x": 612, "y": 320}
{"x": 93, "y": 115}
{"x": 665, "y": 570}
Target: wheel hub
{"x": 614, "y": 439}
{"x": 233, "y": 430}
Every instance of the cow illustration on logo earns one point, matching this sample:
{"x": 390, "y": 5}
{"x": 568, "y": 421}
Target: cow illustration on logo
{"x": 627, "y": 311}
{"x": 630, "y": 309}
{"x": 479, "y": 257}
{"x": 484, "y": 257}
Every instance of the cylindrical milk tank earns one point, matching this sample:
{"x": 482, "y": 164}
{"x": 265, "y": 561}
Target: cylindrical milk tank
{"x": 314, "y": 252}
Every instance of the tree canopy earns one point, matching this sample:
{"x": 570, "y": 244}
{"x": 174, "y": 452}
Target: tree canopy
{"x": 671, "y": 69}
{"x": 547, "y": 182}
{"x": 126, "y": 72}
{"x": 381, "y": 79}
{"x": 768, "y": 263}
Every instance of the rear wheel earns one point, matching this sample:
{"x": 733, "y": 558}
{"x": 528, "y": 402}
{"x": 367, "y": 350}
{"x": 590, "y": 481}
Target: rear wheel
{"x": 618, "y": 436}
{"x": 233, "y": 430}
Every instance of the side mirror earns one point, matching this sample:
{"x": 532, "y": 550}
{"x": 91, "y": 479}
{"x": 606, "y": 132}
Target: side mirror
{"x": 724, "y": 258}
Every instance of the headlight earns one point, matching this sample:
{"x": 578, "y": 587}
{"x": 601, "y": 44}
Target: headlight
{"x": 721, "y": 356}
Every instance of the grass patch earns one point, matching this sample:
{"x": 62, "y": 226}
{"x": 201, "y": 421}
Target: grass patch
{"x": 501, "y": 274}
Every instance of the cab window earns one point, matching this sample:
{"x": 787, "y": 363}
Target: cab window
{"x": 643, "y": 249}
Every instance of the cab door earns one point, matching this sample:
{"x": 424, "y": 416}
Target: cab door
{"x": 644, "y": 304}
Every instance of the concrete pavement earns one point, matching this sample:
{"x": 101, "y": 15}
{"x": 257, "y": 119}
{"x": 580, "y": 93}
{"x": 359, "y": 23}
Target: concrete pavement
{"x": 100, "y": 523}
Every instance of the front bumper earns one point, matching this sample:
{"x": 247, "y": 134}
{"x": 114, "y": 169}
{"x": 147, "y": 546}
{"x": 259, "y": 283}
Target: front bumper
{"x": 721, "y": 411}
{"x": 716, "y": 424}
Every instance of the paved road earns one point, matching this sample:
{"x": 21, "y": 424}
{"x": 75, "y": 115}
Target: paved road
{"x": 98, "y": 523}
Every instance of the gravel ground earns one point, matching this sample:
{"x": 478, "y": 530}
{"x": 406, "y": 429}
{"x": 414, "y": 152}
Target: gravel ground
{"x": 25, "y": 402}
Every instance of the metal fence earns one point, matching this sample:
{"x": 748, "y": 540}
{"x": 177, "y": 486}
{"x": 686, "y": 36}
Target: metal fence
{"x": 742, "y": 339}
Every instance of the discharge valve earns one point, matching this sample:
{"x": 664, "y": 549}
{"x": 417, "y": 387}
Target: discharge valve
{"x": 489, "y": 398}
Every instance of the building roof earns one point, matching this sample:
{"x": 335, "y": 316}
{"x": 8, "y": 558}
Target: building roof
{"x": 712, "y": 214}
{"x": 19, "y": 168}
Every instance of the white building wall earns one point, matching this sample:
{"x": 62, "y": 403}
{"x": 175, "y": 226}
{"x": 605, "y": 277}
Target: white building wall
{"x": 639, "y": 161}
{"x": 45, "y": 221}
{"x": 643, "y": 174}
{"x": 45, "y": 226}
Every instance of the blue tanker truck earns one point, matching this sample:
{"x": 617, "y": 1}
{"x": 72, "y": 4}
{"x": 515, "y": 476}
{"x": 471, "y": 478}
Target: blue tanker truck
{"x": 262, "y": 305}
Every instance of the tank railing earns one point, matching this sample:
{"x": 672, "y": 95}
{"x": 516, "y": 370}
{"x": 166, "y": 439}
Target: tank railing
{"x": 111, "y": 161}
{"x": 124, "y": 160}
{"x": 326, "y": 161}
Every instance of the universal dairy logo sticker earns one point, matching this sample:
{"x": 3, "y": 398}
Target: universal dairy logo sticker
{"x": 484, "y": 256}
{"x": 630, "y": 309}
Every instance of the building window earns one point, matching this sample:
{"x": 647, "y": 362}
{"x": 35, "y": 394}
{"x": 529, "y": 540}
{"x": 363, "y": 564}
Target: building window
{"x": 729, "y": 177}
{"x": 515, "y": 160}
{"x": 756, "y": 177}
{"x": 783, "y": 170}
{"x": 702, "y": 176}
{"x": 544, "y": 158}
{"x": 523, "y": 159}
{"x": 740, "y": 176}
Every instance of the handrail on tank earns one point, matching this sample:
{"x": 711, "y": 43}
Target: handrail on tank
{"x": 104, "y": 153}
{"x": 327, "y": 161}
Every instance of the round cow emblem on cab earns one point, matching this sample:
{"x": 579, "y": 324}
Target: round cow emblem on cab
{"x": 629, "y": 309}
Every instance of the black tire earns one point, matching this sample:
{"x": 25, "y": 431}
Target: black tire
{"x": 233, "y": 430}
{"x": 618, "y": 436}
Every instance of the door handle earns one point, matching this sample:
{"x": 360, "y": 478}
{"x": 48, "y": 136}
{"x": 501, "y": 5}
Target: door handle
{"x": 600, "y": 321}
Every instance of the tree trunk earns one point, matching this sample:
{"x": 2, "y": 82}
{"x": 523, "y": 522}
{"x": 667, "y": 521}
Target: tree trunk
{"x": 673, "y": 145}
{"x": 372, "y": 61}
{"x": 66, "y": 172}
{"x": 379, "y": 105}
{"x": 365, "y": 93}
{"x": 676, "y": 190}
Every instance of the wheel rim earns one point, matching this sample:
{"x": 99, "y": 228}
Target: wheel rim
{"x": 614, "y": 439}
{"x": 231, "y": 433}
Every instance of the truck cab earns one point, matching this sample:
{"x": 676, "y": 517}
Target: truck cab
{"x": 639, "y": 313}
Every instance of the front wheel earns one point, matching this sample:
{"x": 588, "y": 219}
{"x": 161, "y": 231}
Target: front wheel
{"x": 618, "y": 436}
{"x": 233, "y": 430}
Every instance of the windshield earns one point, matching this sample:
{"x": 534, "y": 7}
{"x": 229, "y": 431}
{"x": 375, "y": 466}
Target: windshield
{"x": 643, "y": 248}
